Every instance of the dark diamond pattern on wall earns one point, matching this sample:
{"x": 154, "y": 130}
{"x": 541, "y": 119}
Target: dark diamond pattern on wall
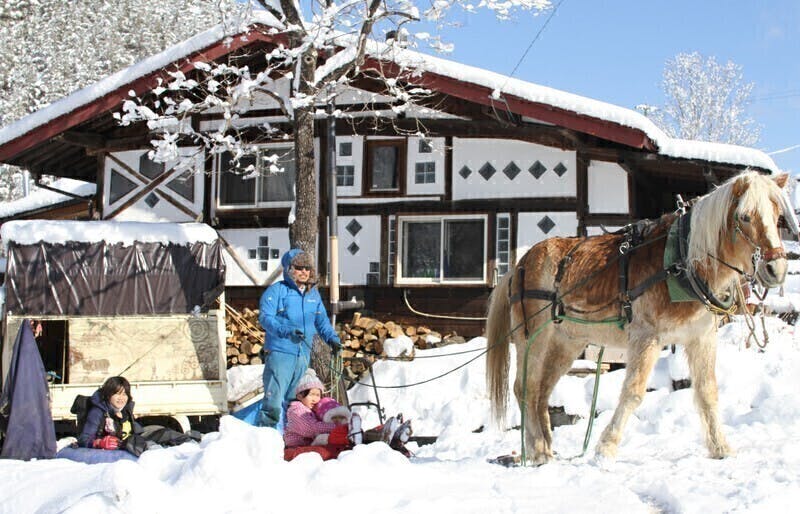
{"x": 353, "y": 248}
{"x": 537, "y": 170}
{"x": 512, "y": 170}
{"x": 354, "y": 227}
{"x": 486, "y": 171}
{"x": 560, "y": 169}
{"x": 465, "y": 172}
{"x": 151, "y": 200}
{"x": 546, "y": 224}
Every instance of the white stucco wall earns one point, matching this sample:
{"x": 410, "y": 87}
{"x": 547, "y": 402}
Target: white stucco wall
{"x": 475, "y": 153}
{"x": 529, "y": 233}
{"x": 436, "y": 156}
{"x": 243, "y": 241}
{"x": 162, "y": 210}
{"x": 356, "y": 160}
{"x": 608, "y": 188}
{"x": 353, "y": 267}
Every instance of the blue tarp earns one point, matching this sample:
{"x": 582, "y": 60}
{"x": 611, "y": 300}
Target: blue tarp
{"x": 25, "y": 403}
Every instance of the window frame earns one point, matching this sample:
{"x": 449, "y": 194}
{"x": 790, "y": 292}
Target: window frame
{"x": 257, "y": 181}
{"x": 401, "y": 221}
{"x": 503, "y": 216}
{"x": 400, "y": 167}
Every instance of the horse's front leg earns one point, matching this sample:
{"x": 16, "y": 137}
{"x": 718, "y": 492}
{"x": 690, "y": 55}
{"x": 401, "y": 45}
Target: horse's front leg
{"x": 702, "y": 355}
{"x": 641, "y": 359}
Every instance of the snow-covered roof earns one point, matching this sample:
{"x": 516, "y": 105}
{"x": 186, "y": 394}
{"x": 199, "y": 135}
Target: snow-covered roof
{"x": 503, "y": 85}
{"x": 500, "y": 85}
{"x": 124, "y": 232}
{"x": 45, "y": 198}
{"x": 126, "y": 76}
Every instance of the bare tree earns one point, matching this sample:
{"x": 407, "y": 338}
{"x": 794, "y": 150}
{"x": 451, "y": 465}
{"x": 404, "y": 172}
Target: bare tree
{"x": 310, "y": 61}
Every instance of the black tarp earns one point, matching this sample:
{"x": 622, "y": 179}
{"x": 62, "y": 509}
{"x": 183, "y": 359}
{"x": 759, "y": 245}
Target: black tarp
{"x": 25, "y": 415}
{"x": 89, "y": 279}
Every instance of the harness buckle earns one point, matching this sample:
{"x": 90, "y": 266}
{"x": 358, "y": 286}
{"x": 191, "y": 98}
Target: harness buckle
{"x": 624, "y": 247}
{"x": 757, "y": 257}
{"x": 680, "y": 204}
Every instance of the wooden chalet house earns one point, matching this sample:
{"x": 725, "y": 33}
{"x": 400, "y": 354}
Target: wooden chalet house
{"x": 428, "y": 223}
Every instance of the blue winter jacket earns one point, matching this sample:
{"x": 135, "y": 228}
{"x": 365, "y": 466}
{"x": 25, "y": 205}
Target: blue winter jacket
{"x": 99, "y": 410}
{"x": 283, "y": 309}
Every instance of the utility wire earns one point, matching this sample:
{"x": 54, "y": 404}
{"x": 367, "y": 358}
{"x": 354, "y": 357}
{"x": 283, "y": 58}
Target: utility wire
{"x": 535, "y": 38}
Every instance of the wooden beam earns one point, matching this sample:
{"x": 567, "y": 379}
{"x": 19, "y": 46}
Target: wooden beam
{"x": 82, "y": 139}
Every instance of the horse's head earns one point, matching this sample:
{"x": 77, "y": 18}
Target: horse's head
{"x": 748, "y": 210}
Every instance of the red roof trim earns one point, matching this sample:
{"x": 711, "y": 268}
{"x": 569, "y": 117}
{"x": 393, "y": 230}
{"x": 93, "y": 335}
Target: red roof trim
{"x": 112, "y": 100}
{"x": 455, "y": 87}
{"x": 562, "y": 117}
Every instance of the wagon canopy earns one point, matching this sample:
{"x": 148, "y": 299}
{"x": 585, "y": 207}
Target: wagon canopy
{"x": 92, "y": 268}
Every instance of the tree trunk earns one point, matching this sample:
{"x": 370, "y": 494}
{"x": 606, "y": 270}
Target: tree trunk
{"x": 303, "y": 232}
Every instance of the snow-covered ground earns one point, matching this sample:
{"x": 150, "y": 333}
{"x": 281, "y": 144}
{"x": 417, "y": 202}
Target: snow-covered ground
{"x": 661, "y": 467}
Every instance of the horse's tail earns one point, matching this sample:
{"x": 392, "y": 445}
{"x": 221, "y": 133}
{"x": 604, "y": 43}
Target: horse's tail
{"x": 498, "y": 323}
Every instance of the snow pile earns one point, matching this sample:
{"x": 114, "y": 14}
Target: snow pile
{"x": 45, "y": 198}
{"x": 243, "y": 380}
{"x": 398, "y": 346}
{"x": 662, "y": 464}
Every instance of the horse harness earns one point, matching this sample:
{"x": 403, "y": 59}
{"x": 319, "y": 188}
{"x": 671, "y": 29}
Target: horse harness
{"x": 683, "y": 282}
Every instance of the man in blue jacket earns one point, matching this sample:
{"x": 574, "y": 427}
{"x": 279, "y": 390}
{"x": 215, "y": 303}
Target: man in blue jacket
{"x": 291, "y": 312}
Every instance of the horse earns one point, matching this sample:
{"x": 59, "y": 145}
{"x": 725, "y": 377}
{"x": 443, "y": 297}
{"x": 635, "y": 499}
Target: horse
{"x": 733, "y": 232}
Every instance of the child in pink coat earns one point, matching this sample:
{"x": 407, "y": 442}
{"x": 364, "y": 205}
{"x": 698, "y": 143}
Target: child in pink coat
{"x": 305, "y": 428}
{"x": 322, "y": 425}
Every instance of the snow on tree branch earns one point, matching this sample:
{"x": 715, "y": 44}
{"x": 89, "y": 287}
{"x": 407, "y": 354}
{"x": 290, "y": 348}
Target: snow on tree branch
{"x": 705, "y": 101}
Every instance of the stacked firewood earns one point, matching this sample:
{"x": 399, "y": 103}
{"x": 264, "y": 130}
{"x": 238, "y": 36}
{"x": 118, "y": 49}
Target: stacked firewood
{"x": 244, "y": 337}
{"x": 365, "y": 336}
{"x": 362, "y": 338}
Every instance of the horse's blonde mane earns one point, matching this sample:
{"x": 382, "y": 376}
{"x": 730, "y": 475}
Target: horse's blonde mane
{"x": 709, "y": 214}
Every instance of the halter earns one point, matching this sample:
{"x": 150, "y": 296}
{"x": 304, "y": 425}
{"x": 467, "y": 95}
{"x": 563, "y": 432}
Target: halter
{"x": 758, "y": 254}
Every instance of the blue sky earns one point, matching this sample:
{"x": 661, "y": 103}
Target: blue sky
{"x": 615, "y": 51}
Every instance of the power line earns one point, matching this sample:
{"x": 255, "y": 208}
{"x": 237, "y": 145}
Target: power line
{"x": 780, "y": 95}
{"x": 535, "y": 38}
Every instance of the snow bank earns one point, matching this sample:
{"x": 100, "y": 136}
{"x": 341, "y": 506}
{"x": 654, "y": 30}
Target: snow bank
{"x": 662, "y": 464}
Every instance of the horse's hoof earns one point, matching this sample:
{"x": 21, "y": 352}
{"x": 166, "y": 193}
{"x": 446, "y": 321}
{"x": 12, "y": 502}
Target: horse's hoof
{"x": 722, "y": 452}
{"x": 540, "y": 459}
{"x": 603, "y": 462}
{"x": 606, "y": 450}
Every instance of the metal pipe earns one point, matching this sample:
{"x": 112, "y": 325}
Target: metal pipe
{"x": 332, "y": 210}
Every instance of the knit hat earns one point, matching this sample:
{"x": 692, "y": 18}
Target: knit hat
{"x": 328, "y": 408}
{"x": 303, "y": 259}
{"x": 308, "y": 381}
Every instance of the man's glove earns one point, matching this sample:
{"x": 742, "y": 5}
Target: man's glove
{"x": 108, "y": 442}
{"x": 335, "y": 345}
{"x": 298, "y": 336}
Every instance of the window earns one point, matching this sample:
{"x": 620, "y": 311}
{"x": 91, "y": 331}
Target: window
{"x": 392, "y": 248}
{"x": 345, "y": 175}
{"x": 442, "y": 249}
{"x": 345, "y": 149}
{"x": 252, "y": 183}
{"x": 503, "y": 244}
{"x": 119, "y": 187}
{"x": 384, "y": 162}
{"x": 425, "y": 173}
{"x": 424, "y": 146}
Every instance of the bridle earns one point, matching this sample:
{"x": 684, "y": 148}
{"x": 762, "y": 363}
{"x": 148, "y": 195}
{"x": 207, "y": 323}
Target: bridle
{"x": 757, "y": 256}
